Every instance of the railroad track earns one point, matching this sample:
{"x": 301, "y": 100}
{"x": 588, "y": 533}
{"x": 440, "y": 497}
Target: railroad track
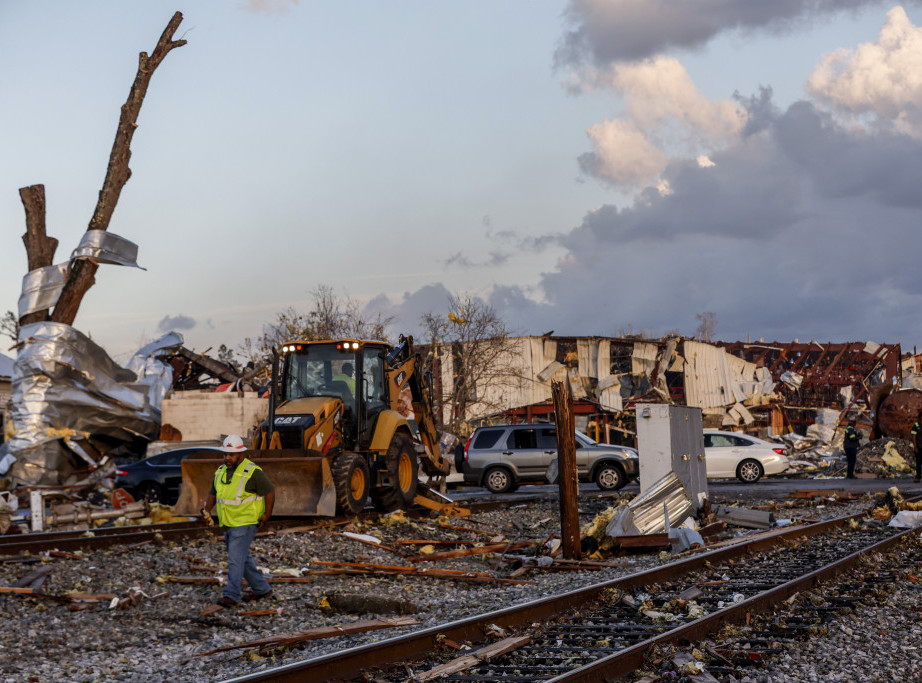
{"x": 736, "y": 651}
{"x": 104, "y": 537}
{"x": 605, "y": 631}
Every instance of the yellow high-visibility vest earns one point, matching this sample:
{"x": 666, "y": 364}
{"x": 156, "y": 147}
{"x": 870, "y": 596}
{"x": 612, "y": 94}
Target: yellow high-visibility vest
{"x": 233, "y": 508}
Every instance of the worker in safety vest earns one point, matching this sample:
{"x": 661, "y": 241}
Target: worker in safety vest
{"x": 244, "y": 497}
{"x": 916, "y": 433}
{"x": 852, "y": 437}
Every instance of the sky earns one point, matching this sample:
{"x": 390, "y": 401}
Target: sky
{"x": 592, "y": 167}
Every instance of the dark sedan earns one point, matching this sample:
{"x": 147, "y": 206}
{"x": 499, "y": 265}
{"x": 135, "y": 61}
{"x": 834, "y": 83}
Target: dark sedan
{"x": 158, "y": 477}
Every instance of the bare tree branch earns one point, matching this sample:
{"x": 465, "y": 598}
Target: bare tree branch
{"x": 80, "y": 277}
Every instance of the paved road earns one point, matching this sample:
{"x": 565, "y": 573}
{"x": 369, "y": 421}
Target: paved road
{"x": 769, "y": 487}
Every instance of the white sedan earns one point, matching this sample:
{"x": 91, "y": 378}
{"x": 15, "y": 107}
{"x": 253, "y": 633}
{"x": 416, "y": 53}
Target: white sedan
{"x": 731, "y": 454}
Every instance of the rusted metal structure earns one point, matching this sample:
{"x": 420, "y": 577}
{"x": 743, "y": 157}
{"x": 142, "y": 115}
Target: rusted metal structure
{"x": 898, "y": 412}
{"x": 822, "y": 371}
{"x": 754, "y": 385}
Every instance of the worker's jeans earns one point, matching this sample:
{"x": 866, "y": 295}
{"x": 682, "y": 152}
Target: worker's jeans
{"x": 240, "y": 563}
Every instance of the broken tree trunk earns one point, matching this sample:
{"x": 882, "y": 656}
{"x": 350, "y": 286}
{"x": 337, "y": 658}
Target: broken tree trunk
{"x": 569, "y": 482}
{"x": 39, "y": 247}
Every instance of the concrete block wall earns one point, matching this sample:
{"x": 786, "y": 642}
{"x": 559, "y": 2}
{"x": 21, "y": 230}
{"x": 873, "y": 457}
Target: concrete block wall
{"x": 205, "y": 415}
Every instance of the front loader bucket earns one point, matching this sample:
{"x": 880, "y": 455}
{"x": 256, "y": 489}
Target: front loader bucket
{"x": 303, "y": 484}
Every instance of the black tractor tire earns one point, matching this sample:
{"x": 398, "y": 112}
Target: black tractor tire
{"x": 749, "y": 471}
{"x": 403, "y": 471}
{"x": 609, "y": 477}
{"x": 351, "y": 480}
{"x": 498, "y": 480}
{"x": 150, "y": 490}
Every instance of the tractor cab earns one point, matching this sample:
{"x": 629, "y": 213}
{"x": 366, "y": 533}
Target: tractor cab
{"x": 348, "y": 370}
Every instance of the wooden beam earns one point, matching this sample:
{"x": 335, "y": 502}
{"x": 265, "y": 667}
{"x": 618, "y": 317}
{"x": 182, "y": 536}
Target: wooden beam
{"x": 484, "y": 654}
{"x": 569, "y": 478}
{"x": 318, "y": 633}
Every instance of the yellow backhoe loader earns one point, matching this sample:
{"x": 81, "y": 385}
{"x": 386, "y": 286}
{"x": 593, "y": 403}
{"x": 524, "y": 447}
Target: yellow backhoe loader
{"x": 340, "y": 430}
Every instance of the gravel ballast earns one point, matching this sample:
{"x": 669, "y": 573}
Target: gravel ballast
{"x": 158, "y": 639}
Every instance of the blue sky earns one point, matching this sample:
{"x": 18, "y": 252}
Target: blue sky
{"x": 398, "y": 151}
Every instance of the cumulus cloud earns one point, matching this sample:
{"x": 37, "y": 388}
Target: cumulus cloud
{"x": 780, "y": 235}
{"x": 175, "y": 322}
{"x": 883, "y": 79}
{"x": 663, "y": 110}
{"x": 606, "y": 31}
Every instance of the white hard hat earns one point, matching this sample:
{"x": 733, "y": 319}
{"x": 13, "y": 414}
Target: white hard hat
{"x": 233, "y": 444}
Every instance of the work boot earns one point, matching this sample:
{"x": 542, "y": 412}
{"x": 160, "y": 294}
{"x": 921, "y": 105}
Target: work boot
{"x": 225, "y": 601}
{"x": 250, "y": 597}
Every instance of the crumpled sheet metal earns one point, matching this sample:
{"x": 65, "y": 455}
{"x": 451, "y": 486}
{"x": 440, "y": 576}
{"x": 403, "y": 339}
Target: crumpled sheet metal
{"x": 646, "y": 515}
{"x": 41, "y": 288}
{"x": 64, "y": 384}
{"x": 105, "y": 247}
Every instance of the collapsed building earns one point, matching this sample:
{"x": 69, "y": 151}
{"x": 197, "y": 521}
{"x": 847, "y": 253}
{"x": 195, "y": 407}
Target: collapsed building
{"x": 761, "y": 387}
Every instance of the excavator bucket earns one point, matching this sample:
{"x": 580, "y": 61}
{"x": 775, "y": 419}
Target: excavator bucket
{"x": 303, "y": 484}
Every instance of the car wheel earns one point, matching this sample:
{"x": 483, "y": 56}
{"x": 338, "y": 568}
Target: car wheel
{"x": 609, "y": 477}
{"x": 150, "y": 490}
{"x": 498, "y": 480}
{"x": 749, "y": 471}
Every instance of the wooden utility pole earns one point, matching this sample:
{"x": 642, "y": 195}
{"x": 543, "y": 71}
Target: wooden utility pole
{"x": 566, "y": 462}
{"x": 39, "y": 247}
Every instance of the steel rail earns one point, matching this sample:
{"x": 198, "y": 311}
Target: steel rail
{"x": 410, "y": 646}
{"x": 103, "y": 537}
{"x": 628, "y": 660}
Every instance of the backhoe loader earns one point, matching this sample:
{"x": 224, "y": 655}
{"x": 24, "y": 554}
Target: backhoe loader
{"x": 333, "y": 438}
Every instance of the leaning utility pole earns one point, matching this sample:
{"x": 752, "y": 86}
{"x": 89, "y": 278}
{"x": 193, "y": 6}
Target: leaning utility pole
{"x": 39, "y": 247}
{"x": 566, "y": 458}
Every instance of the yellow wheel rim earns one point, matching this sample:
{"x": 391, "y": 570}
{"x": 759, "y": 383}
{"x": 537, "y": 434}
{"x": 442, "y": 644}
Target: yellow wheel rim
{"x": 357, "y": 483}
{"x": 405, "y": 472}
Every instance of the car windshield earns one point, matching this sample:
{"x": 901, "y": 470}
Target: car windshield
{"x": 585, "y": 439}
{"x": 318, "y": 370}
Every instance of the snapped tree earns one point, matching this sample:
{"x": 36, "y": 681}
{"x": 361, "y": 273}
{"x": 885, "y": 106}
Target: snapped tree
{"x": 40, "y": 248}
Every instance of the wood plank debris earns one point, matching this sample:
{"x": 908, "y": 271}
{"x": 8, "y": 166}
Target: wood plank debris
{"x": 842, "y": 494}
{"x": 425, "y": 572}
{"x": 367, "y": 540}
{"x": 34, "y": 579}
{"x": 481, "y": 550}
{"x": 317, "y": 634}
{"x": 484, "y": 654}
{"x": 480, "y": 532}
{"x": 261, "y": 612}
{"x": 215, "y": 579}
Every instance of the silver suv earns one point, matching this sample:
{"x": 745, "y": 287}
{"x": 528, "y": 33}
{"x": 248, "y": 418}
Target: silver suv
{"x": 501, "y": 457}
